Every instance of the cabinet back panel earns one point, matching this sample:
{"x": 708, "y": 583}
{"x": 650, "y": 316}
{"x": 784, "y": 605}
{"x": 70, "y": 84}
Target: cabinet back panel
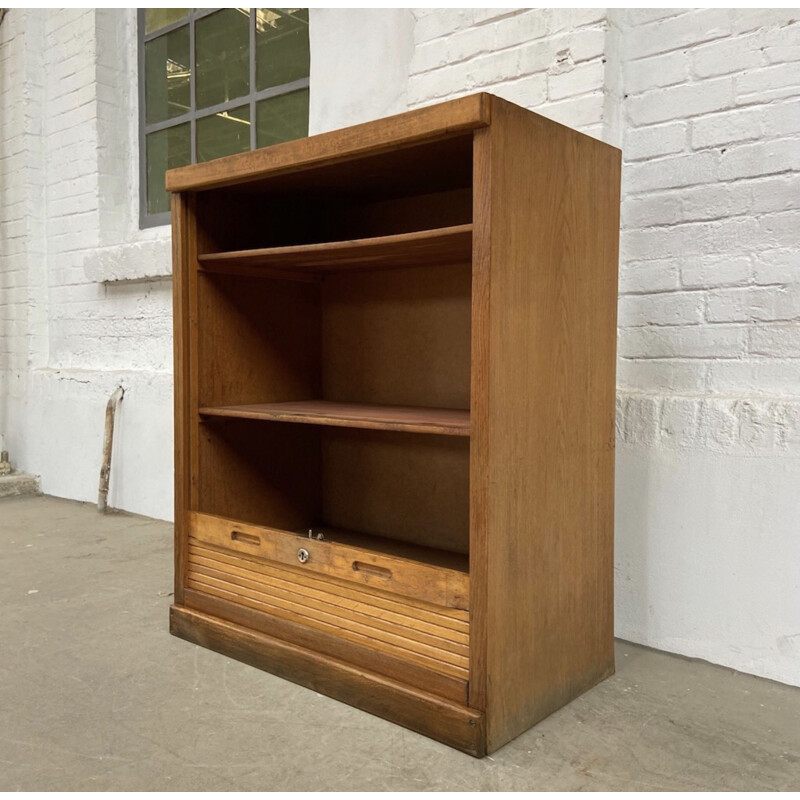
{"x": 397, "y": 337}
{"x": 257, "y": 340}
{"x": 404, "y": 486}
{"x": 260, "y": 472}
{"x": 233, "y": 222}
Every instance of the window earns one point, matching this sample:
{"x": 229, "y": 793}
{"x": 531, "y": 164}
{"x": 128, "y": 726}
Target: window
{"x": 213, "y": 82}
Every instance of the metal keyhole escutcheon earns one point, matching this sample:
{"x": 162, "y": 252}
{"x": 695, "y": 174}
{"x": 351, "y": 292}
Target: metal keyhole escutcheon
{"x": 302, "y": 555}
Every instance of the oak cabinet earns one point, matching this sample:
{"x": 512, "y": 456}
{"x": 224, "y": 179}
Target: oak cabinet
{"x": 394, "y": 414}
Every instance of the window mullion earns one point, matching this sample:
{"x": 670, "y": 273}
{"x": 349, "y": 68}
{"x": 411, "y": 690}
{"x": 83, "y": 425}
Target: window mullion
{"x": 192, "y": 87}
{"x": 252, "y": 79}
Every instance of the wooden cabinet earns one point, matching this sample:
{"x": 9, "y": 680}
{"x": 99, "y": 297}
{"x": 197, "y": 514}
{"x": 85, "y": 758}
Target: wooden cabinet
{"x": 394, "y": 414}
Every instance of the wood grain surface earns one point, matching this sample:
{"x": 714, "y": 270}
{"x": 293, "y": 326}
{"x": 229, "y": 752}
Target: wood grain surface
{"x": 444, "y": 421}
{"x": 412, "y": 708}
{"x": 452, "y": 245}
{"x": 546, "y": 417}
{"x": 443, "y": 119}
{"x": 433, "y": 583}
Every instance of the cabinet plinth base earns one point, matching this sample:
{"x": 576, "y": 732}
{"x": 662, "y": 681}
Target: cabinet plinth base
{"x": 447, "y": 722}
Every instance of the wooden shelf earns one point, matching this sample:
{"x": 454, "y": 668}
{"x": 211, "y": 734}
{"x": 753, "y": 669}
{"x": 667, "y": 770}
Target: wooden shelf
{"x": 440, "y": 246}
{"x": 412, "y": 419}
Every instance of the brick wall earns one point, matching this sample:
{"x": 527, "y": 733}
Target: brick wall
{"x": 544, "y": 59}
{"x": 710, "y": 291}
{"x": 69, "y": 196}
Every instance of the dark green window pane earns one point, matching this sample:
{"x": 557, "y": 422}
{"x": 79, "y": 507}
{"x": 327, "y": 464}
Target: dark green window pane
{"x": 166, "y": 60}
{"x": 155, "y": 18}
{"x": 223, "y": 134}
{"x": 282, "y": 53}
{"x": 282, "y": 118}
{"x": 165, "y": 149}
{"x": 222, "y": 53}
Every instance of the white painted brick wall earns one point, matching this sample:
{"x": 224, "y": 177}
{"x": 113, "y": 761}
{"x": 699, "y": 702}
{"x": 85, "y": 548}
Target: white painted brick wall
{"x": 67, "y": 112}
{"x": 552, "y": 60}
{"x": 712, "y": 198}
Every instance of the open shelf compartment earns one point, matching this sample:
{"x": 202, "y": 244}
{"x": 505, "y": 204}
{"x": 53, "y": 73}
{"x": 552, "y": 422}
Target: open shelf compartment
{"x": 331, "y": 336}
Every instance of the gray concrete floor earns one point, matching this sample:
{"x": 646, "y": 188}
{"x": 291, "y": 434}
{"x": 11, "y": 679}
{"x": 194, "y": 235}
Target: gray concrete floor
{"x": 95, "y": 694}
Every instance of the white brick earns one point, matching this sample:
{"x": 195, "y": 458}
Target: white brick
{"x": 769, "y": 83}
{"x": 577, "y": 112}
{"x": 541, "y": 55}
{"x": 483, "y": 15}
{"x": 641, "y": 16}
{"x": 578, "y": 17}
{"x": 533, "y": 24}
{"x": 690, "y": 239}
{"x": 750, "y": 19}
{"x": 780, "y": 193}
{"x": 469, "y": 43}
{"x": 777, "y": 266}
{"x": 706, "y": 341}
{"x": 687, "y": 29}
{"x": 670, "y": 376}
{"x": 494, "y": 68}
{"x": 727, "y": 127}
{"x": 774, "y": 376}
{"x": 680, "y": 308}
{"x": 679, "y": 421}
{"x": 658, "y": 71}
{"x": 781, "y": 53}
{"x": 528, "y": 92}
{"x": 671, "y": 172}
{"x": 753, "y": 304}
{"x": 778, "y": 229}
{"x": 715, "y": 201}
{"x": 428, "y": 56}
{"x": 648, "y": 276}
{"x": 779, "y": 341}
{"x": 442, "y": 23}
{"x": 782, "y": 118}
{"x": 762, "y": 158}
{"x": 687, "y": 100}
{"x": 726, "y": 56}
{"x": 586, "y": 77}
{"x": 641, "y": 211}
{"x": 713, "y": 271}
{"x": 640, "y": 419}
{"x": 655, "y": 140}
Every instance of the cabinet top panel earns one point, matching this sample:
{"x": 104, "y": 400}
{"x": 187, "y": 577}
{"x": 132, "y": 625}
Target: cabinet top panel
{"x": 432, "y": 122}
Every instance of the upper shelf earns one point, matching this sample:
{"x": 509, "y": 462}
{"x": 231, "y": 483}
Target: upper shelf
{"x": 418, "y": 249}
{"x": 412, "y": 419}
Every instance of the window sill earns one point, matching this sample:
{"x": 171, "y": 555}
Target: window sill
{"x": 132, "y": 261}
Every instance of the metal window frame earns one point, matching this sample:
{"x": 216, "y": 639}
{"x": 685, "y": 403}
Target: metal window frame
{"x": 152, "y": 220}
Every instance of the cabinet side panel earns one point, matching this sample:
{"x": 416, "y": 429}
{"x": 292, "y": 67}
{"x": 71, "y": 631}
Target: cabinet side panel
{"x": 552, "y": 347}
{"x": 180, "y": 319}
{"x": 479, "y": 413}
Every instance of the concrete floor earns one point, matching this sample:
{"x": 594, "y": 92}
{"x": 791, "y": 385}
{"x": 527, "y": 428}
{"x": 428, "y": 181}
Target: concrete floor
{"x": 95, "y": 694}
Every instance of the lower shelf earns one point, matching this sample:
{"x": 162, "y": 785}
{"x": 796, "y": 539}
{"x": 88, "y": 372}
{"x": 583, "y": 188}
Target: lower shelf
{"x": 448, "y": 722}
{"x": 412, "y": 419}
